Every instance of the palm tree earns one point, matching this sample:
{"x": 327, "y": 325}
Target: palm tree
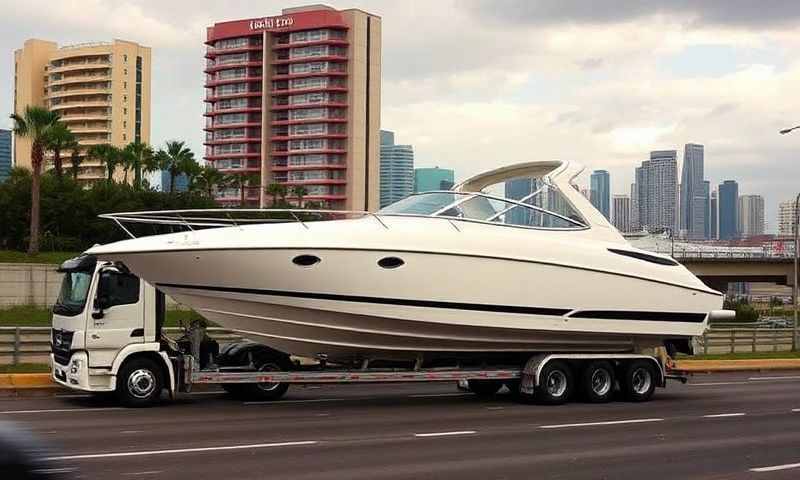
{"x": 59, "y": 138}
{"x": 209, "y": 178}
{"x": 175, "y": 159}
{"x": 276, "y": 190}
{"x": 191, "y": 169}
{"x": 35, "y": 124}
{"x": 139, "y": 157}
{"x": 299, "y": 191}
{"x": 75, "y": 160}
{"x": 110, "y": 155}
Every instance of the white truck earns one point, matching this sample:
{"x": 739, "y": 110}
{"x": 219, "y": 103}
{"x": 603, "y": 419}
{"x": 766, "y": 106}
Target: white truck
{"x": 108, "y": 336}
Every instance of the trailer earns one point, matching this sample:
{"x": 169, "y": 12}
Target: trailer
{"x": 108, "y": 337}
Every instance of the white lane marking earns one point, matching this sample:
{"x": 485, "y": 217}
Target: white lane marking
{"x": 180, "y": 450}
{"x": 59, "y": 410}
{"x": 315, "y": 400}
{"x": 128, "y": 432}
{"x": 717, "y": 383}
{"x": 495, "y": 408}
{"x": 445, "y": 434}
{"x": 612, "y": 422}
{"x": 785, "y": 377}
{"x": 431, "y": 395}
{"x": 723, "y": 415}
{"x": 775, "y": 468}
{"x": 213, "y": 392}
{"x": 70, "y": 395}
{"x": 795, "y": 410}
{"x": 151, "y": 472}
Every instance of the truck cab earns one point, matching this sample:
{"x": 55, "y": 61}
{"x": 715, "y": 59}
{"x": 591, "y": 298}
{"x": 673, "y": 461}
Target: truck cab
{"x": 103, "y": 314}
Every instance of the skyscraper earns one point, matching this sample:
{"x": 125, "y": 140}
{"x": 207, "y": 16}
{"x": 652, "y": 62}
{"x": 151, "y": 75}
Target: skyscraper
{"x": 713, "y": 213}
{"x": 622, "y": 212}
{"x": 428, "y": 179}
{"x": 728, "y": 210}
{"x": 692, "y": 198}
{"x": 5, "y": 154}
{"x": 397, "y": 169}
{"x": 634, "y": 209}
{"x": 706, "y": 209}
{"x": 600, "y": 188}
{"x": 656, "y": 191}
{"x": 101, "y": 91}
{"x": 518, "y": 189}
{"x": 751, "y": 215}
{"x": 294, "y": 99}
{"x": 786, "y": 218}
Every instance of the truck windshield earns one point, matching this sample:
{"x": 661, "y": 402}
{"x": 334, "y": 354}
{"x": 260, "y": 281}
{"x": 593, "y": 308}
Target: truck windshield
{"x": 74, "y": 290}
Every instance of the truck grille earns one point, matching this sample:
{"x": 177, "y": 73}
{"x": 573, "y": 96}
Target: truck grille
{"x": 60, "y": 345}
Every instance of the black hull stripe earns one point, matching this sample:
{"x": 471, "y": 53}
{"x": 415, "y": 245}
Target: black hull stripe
{"x": 480, "y": 307}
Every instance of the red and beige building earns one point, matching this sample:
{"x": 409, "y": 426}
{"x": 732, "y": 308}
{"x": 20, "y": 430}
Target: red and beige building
{"x": 100, "y": 90}
{"x": 294, "y": 99}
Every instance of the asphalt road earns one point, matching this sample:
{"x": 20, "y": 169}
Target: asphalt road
{"x": 719, "y": 426}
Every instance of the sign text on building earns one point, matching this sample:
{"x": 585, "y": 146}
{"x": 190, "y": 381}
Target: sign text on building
{"x": 268, "y": 23}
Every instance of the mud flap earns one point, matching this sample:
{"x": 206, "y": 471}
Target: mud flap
{"x": 527, "y": 385}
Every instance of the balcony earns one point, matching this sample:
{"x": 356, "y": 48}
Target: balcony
{"x": 79, "y": 79}
{"x": 224, "y": 141}
{"x": 227, "y": 81}
{"x": 309, "y": 105}
{"x": 68, "y": 67}
{"x": 329, "y": 41}
{"x": 320, "y": 58}
{"x": 72, "y": 92}
{"x": 212, "y": 52}
{"x": 80, "y": 103}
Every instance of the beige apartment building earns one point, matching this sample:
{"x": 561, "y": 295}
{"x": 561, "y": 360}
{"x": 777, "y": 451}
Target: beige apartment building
{"x": 295, "y": 99}
{"x": 100, "y": 90}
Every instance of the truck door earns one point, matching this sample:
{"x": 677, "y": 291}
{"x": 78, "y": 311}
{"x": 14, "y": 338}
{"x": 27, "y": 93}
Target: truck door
{"x": 117, "y": 318}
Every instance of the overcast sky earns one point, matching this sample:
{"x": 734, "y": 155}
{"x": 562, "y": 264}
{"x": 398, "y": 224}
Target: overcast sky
{"x": 478, "y": 84}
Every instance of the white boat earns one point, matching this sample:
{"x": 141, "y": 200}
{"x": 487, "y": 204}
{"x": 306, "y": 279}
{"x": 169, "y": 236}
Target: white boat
{"x": 438, "y": 274}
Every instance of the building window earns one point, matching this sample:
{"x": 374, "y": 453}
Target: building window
{"x": 125, "y": 57}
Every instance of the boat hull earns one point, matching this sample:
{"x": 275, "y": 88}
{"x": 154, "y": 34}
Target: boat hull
{"x": 435, "y": 303}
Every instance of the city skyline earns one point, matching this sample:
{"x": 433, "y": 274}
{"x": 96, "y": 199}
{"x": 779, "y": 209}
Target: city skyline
{"x": 706, "y": 70}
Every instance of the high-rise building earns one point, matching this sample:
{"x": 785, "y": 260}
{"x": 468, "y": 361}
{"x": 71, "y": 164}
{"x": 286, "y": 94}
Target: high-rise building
{"x": 517, "y": 189}
{"x": 428, "y": 179}
{"x": 397, "y": 169}
{"x": 600, "y": 192}
{"x": 706, "y": 209}
{"x": 622, "y": 212}
{"x": 713, "y": 213}
{"x": 693, "y": 205}
{"x": 657, "y": 191}
{"x": 100, "y": 90}
{"x": 786, "y": 218}
{"x": 5, "y": 154}
{"x": 751, "y": 215}
{"x": 728, "y": 210}
{"x": 634, "y": 209}
{"x": 181, "y": 182}
{"x": 294, "y": 99}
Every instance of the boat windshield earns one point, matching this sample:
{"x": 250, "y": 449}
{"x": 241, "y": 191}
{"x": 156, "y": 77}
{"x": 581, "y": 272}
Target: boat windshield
{"x": 532, "y": 211}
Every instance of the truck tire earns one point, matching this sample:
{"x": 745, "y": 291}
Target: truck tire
{"x": 139, "y": 383}
{"x": 485, "y": 388}
{"x": 639, "y": 380}
{"x": 597, "y": 381}
{"x": 556, "y": 383}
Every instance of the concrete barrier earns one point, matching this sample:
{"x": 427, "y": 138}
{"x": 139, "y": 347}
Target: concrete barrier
{"x": 28, "y": 284}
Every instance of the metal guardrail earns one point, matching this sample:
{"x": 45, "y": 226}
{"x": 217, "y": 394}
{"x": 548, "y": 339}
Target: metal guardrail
{"x": 32, "y": 344}
{"x": 740, "y": 340}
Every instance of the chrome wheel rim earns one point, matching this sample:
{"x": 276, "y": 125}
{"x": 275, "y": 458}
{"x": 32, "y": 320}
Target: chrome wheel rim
{"x": 601, "y": 382}
{"x": 141, "y": 383}
{"x": 641, "y": 381}
{"x": 556, "y": 383}
{"x": 266, "y": 386}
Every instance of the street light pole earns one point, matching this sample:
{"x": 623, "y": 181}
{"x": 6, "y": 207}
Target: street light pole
{"x": 796, "y": 248}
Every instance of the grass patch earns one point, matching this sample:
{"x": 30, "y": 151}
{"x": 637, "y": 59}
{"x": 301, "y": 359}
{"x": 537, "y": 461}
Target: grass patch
{"x": 32, "y": 316}
{"x": 741, "y": 356}
{"x": 25, "y": 368}
{"x": 13, "y": 256}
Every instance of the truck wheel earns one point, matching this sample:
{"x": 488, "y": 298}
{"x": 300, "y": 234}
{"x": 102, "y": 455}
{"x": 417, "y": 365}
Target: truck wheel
{"x": 555, "y": 383}
{"x": 597, "y": 381}
{"x": 265, "y": 391}
{"x": 139, "y": 383}
{"x": 485, "y": 388}
{"x": 639, "y": 380}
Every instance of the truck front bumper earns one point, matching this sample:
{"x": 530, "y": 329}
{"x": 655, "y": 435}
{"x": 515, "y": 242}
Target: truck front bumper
{"x": 77, "y": 374}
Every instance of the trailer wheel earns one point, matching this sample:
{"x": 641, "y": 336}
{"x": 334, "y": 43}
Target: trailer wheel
{"x": 139, "y": 383}
{"x": 485, "y": 388}
{"x": 639, "y": 380}
{"x": 265, "y": 391}
{"x": 555, "y": 383}
{"x": 597, "y": 381}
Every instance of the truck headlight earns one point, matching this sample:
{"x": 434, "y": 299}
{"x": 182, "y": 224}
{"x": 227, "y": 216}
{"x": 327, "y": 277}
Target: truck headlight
{"x": 75, "y": 366}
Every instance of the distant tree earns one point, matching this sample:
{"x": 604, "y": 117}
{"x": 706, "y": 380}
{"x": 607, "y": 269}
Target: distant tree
{"x": 35, "y": 124}
{"x": 299, "y": 191}
{"x": 192, "y": 169}
{"x": 59, "y": 138}
{"x": 139, "y": 157}
{"x": 109, "y": 155}
{"x": 75, "y": 160}
{"x": 209, "y": 178}
{"x": 276, "y": 190}
{"x": 175, "y": 159}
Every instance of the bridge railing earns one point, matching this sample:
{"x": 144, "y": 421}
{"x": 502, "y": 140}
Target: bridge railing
{"x": 739, "y": 340}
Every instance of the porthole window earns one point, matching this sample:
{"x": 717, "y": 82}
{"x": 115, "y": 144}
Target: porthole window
{"x": 391, "y": 262}
{"x": 306, "y": 260}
